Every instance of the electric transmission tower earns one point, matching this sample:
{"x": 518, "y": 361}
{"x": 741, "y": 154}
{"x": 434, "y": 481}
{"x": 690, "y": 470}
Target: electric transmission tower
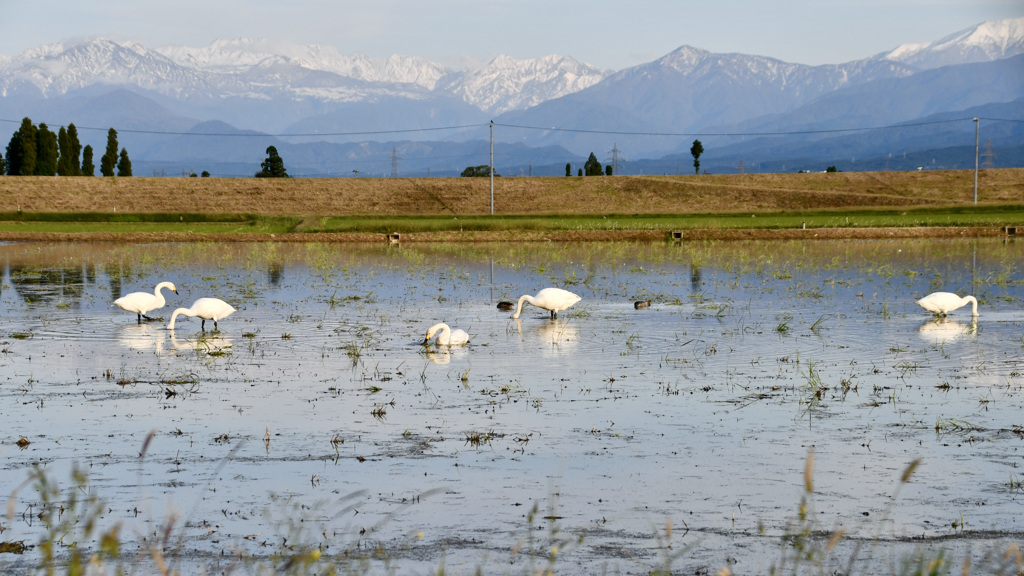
{"x": 616, "y": 160}
{"x": 988, "y": 155}
{"x": 394, "y": 162}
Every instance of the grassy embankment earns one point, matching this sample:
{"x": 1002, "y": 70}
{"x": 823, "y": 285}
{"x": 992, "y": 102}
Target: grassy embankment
{"x": 596, "y": 207}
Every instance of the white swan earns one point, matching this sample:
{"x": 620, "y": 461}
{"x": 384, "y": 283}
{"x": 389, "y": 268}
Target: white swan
{"x": 943, "y": 302}
{"x": 553, "y": 299}
{"x": 142, "y": 302}
{"x": 447, "y": 336}
{"x": 207, "y": 309}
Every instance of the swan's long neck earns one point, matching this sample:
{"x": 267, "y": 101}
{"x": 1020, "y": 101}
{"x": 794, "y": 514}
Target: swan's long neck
{"x": 174, "y": 316}
{"x": 159, "y": 297}
{"x": 445, "y": 336}
{"x": 519, "y": 306}
{"x": 974, "y": 304}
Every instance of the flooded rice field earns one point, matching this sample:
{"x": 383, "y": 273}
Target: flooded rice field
{"x": 771, "y": 394}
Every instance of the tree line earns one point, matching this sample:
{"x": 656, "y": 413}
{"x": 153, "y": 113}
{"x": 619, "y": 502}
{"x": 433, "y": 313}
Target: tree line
{"x": 592, "y": 167}
{"x": 38, "y": 151}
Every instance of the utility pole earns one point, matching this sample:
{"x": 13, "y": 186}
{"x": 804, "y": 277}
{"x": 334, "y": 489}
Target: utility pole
{"x": 492, "y": 167}
{"x": 977, "y": 134}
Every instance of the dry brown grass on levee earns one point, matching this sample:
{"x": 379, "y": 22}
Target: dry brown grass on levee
{"x": 549, "y": 195}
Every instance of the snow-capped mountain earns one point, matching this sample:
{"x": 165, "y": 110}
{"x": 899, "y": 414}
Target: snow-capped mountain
{"x": 56, "y": 69}
{"x": 285, "y": 88}
{"x": 985, "y": 42}
{"x": 689, "y": 90}
{"x": 243, "y": 54}
{"x": 262, "y": 69}
{"x": 505, "y": 83}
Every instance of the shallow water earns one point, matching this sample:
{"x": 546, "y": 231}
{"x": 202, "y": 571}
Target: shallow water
{"x": 315, "y": 417}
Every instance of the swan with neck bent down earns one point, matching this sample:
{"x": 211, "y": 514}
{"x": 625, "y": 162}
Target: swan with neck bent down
{"x": 206, "y": 308}
{"x": 942, "y": 303}
{"x": 142, "y": 302}
{"x": 553, "y": 299}
{"x": 446, "y": 336}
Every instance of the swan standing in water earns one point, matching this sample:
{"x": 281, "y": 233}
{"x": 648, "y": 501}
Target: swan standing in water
{"x": 943, "y": 302}
{"x": 553, "y": 299}
{"x": 207, "y": 309}
{"x": 142, "y": 302}
{"x": 447, "y": 336}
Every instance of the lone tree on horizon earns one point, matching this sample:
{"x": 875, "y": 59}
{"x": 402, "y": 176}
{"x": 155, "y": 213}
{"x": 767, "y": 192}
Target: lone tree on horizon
{"x": 697, "y": 149}
{"x": 273, "y": 166}
{"x": 592, "y": 167}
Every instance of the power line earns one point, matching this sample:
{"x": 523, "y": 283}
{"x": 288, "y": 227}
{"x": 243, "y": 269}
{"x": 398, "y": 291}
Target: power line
{"x": 263, "y": 135}
{"x": 780, "y": 133}
{"x": 524, "y": 127}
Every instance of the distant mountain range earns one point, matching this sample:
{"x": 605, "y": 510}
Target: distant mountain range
{"x": 214, "y": 108}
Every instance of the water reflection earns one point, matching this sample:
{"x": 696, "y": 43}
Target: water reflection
{"x": 43, "y": 286}
{"x": 203, "y": 342}
{"x": 275, "y": 272}
{"x": 146, "y": 337}
{"x": 439, "y": 356}
{"x": 947, "y": 329}
{"x": 559, "y": 332}
{"x": 444, "y": 355}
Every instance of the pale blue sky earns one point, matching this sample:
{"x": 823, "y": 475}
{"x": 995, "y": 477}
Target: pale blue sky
{"x": 612, "y": 34}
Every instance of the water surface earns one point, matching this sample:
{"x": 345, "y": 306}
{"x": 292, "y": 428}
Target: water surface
{"x": 315, "y": 417}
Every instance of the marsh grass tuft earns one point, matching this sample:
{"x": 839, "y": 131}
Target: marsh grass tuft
{"x": 77, "y": 539}
{"x": 954, "y": 426}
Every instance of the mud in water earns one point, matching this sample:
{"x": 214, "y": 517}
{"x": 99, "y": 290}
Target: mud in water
{"x": 675, "y": 435}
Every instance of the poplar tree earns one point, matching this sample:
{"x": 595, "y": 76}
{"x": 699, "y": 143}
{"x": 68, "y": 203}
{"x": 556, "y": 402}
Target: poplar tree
{"x": 21, "y": 150}
{"x": 64, "y": 160}
{"x": 109, "y": 160}
{"x": 88, "y": 168}
{"x": 3, "y": 165}
{"x": 76, "y": 151}
{"x": 124, "y": 165}
{"x": 46, "y": 152}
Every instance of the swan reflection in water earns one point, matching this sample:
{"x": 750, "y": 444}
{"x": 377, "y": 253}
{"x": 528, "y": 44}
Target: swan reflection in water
{"x": 439, "y": 356}
{"x": 203, "y": 343}
{"x": 559, "y": 333}
{"x": 444, "y": 354}
{"x": 143, "y": 337}
{"x": 944, "y": 329}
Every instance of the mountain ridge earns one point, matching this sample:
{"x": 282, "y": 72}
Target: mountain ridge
{"x": 559, "y": 103}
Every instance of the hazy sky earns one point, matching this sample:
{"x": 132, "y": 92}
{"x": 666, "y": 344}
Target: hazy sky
{"x": 611, "y": 34}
